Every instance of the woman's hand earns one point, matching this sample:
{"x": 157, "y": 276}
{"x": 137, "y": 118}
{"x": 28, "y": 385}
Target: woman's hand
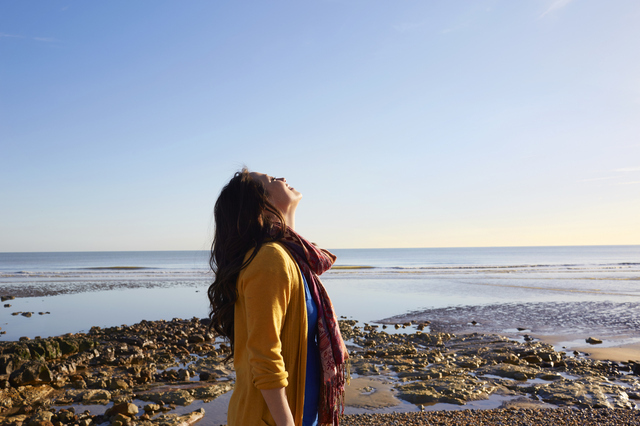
{"x": 278, "y": 405}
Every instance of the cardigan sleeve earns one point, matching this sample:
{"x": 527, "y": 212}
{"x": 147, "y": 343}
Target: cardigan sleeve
{"x": 267, "y": 289}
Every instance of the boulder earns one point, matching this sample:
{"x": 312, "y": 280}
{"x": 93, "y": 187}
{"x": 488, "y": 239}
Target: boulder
{"x": 126, "y": 408}
{"x": 31, "y": 373}
{"x": 44, "y": 349}
{"x": 68, "y": 346}
{"x": 151, "y": 408}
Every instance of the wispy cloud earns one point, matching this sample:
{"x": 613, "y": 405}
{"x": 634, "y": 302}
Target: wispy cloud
{"x": 557, "y": 4}
{"x": 45, "y": 39}
{"x": 10, "y": 35}
{"x": 455, "y": 28}
{"x": 408, "y": 27}
{"x": 600, "y": 178}
{"x": 629, "y": 183}
{"x": 628, "y": 169}
{"x": 40, "y": 39}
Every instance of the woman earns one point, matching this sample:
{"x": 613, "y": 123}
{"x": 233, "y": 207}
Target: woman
{"x": 268, "y": 301}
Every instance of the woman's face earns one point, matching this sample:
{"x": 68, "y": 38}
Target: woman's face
{"x": 280, "y": 193}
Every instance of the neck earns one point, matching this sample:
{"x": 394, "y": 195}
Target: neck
{"x": 290, "y": 218}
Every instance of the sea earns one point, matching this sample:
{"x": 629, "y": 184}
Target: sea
{"x": 498, "y": 289}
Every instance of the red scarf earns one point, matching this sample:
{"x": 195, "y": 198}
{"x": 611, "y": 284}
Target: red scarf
{"x": 333, "y": 352}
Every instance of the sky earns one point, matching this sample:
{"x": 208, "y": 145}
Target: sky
{"x": 413, "y": 123}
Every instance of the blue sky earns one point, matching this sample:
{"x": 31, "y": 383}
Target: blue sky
{"x": 403, "y": 123}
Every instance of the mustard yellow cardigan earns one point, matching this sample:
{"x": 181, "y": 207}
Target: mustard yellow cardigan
{"x": 270, "y": 337}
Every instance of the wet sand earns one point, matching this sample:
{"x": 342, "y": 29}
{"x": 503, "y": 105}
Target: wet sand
{"x": 565, "y": 325}
{"x": 613, "y": 348}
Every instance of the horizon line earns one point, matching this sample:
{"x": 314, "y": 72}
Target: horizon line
{"x": 342, "y": 248}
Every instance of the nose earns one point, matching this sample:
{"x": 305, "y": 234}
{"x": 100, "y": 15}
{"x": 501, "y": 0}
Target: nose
{"x": 282, "y": 179}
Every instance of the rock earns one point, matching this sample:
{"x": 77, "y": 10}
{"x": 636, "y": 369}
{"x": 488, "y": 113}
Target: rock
{"x": 517, "y": 372}
{"x": 7, "y": 364}
{"x": 40, "y": 423}
{"x": 66, "y": 416}
{"x": 450, "y": 389}
{"x": 585, "y": 392}
{"x": 126, "y": 408}
{"x": 185, "y": 420}
{"x": 44, "y": 349}
{"x": 150, "y": 408}
{"x": 42, "y": 416}
{"x": 4, "y": 298}
{"x": 509, "y": 359}
{"x": 184, "y": 375}
{"x": 120, "y": 420}
{"x": 532, "y": 359}
{"x": 95, "y": 396}
{"x": 197, "y": 338}
{"x": 68, "y": 346}
{"x": 550, "y": 357}
{"x": 593, "y": 341}
{"x": 550, "y": 376}
{"x": 7, "y": 305}
{"x": 115, "y": 384}
{"x": 212, "y": 392}
{"x": 471, "y": 363}
{"x": 177, "y": 397}
{"x": 31, "y": 372}
{"x": 27, "y": 314}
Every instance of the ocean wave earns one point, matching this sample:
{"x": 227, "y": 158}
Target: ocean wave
{"x": 103, "y": 273}
{"x": 491, "y": 267}
{"x": 116, "y": 268}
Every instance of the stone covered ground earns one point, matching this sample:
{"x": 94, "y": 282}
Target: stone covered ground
{"x": 141, "y": 373}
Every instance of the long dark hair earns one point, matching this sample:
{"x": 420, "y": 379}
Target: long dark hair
{"x": 244, "y": 219}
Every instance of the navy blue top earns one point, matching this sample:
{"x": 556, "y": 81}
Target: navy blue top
{"x": 314, "y": 370}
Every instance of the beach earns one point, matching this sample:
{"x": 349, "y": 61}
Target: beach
{"x": 174, "y": 372}
{"x": 441, "y": 340}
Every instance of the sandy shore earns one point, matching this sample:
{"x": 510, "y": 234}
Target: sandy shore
{"x": 613, "y": 348}
{"x": 172, "y": 373}
{"x": 505, "y": 417}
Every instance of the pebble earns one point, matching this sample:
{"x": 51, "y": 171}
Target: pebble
{"x": 500, "y": 416}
